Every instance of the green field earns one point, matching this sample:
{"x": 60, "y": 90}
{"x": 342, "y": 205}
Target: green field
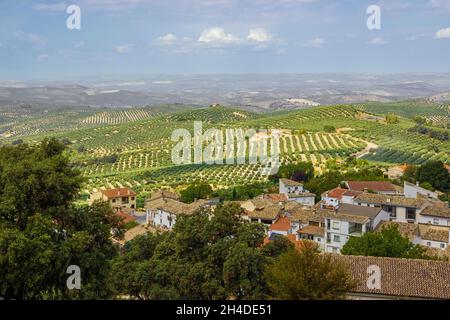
{"x": 132, "y": 147}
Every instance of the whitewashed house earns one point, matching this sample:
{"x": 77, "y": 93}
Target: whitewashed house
{"x": 163, "y": 208}
{"x": 295, "y": 191}
{"x": 413, "y": 190}
{"x": 350, "y": 221}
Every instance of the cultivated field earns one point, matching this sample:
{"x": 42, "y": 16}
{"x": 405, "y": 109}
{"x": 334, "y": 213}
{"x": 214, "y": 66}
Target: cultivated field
{"x": 132, "y": 147}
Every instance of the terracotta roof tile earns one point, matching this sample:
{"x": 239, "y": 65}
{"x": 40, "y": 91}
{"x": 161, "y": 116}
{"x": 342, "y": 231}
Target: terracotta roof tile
{"x": 118, "y": 193}
{"x": 282, "y": 224}
{"x": 409, "y": 278}
{"x": 378, "y": 186}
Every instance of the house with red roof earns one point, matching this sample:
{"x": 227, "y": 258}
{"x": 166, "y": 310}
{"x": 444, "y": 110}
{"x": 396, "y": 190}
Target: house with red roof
{"x": 120, "y": 198}
{"x": 333, "y": 198}
{"x": 380, "y": 187}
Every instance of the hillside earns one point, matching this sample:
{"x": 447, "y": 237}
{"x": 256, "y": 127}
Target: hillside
{"x": 115, "y": 148}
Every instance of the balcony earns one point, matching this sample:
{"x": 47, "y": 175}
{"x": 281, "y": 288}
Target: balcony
{"x": 355, "y": 229}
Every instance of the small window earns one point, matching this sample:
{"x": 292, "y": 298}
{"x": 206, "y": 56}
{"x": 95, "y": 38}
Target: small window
{"x": 319, "y": 239}
{"x": 337, "y": 239}
{"x": 442, "y": 245}
{"x": 132, "y": 198}
{"x": 335, "y": 225}
{"x": 435, "y": 221}
{"x": 113, "y": 200}
{"x": 429, "y": 243}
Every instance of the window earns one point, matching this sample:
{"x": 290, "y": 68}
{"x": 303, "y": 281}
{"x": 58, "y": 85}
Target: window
{"x": 335, "y": 225}
{"x": 319, "y": 239}
{"x": 113, "y": 200}
{"x": 329, "y": 223}
{"x": 442, "y": 245}
{"x": 132, "y": 198}
{"x": 435, "y": 221}
{"x": 410, "y": 214}
{"x": 429, "y": 243}
{"x": 337, "y": 239}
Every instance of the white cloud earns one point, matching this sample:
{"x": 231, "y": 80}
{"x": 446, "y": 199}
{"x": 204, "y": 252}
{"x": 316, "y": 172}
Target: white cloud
{"x": 217, "y": 35}
{"x": 259, "y": 35}
{"x": 315, "y": 43}
{"x": 166, "y": 40}
{"x": 377, "y": 41}
{"x": 31, "y": 38}
{"x": 443, "y": 33}
{"x": 125, "y": 48}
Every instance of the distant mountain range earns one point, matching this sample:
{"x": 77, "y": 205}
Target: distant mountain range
{"x": 251, "y": 92}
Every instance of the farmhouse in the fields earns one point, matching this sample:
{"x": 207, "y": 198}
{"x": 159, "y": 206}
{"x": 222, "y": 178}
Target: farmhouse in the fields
{"x": 295, "y": 191}
{"x": 120, "y": 199}
{"x": 163, "y": 208}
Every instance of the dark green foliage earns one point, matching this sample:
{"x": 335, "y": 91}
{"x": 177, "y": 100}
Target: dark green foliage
{"x": 392, "y": 118}
{"x": 435, "y": 174}
{"x": 441, "y": 135}
{"x": 307, "y": 275}
{"x": 244, "y": 192}
{"x": 41, "y": 233}
{"x": 387, "y": 243}
{"x": 202, "y": 258}
{"x": 329, "y": 128}
{"x": 196, "y": 191}
{"x": 300, "y": 172}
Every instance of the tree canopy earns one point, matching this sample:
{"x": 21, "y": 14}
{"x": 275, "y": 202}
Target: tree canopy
{"x": 307, "y": 275}
{"x": 42, "y": 232}
{"x": 386, "y": 243}
{"x": 203, "y": 257}
{"x": 195, "y": 191}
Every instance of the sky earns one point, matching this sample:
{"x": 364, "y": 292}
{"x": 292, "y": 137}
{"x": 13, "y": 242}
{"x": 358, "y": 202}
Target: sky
{"x": 130, "y": 37}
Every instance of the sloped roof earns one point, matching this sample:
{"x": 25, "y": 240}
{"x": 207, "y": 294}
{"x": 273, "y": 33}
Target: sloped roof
{"x": 290, "y": 183}
{"x": 335, "y": 193}
{"x": 118, "y": 193}
{"x": 434, "y": 233}
{"x": 270, "y": 212}
{"x": 378, "y": 186}
{"x": 282, "y": 224}
{"x": 437, "y": 209}
{"x": 180, "y": 208}
{"x": 409, "y": 278}
{"x": 312, "y": 230}
{"x": 373, "y": 198}
{"x": 409, "y": 230}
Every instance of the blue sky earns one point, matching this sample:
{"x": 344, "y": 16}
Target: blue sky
{"x": 221, "y": 36}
